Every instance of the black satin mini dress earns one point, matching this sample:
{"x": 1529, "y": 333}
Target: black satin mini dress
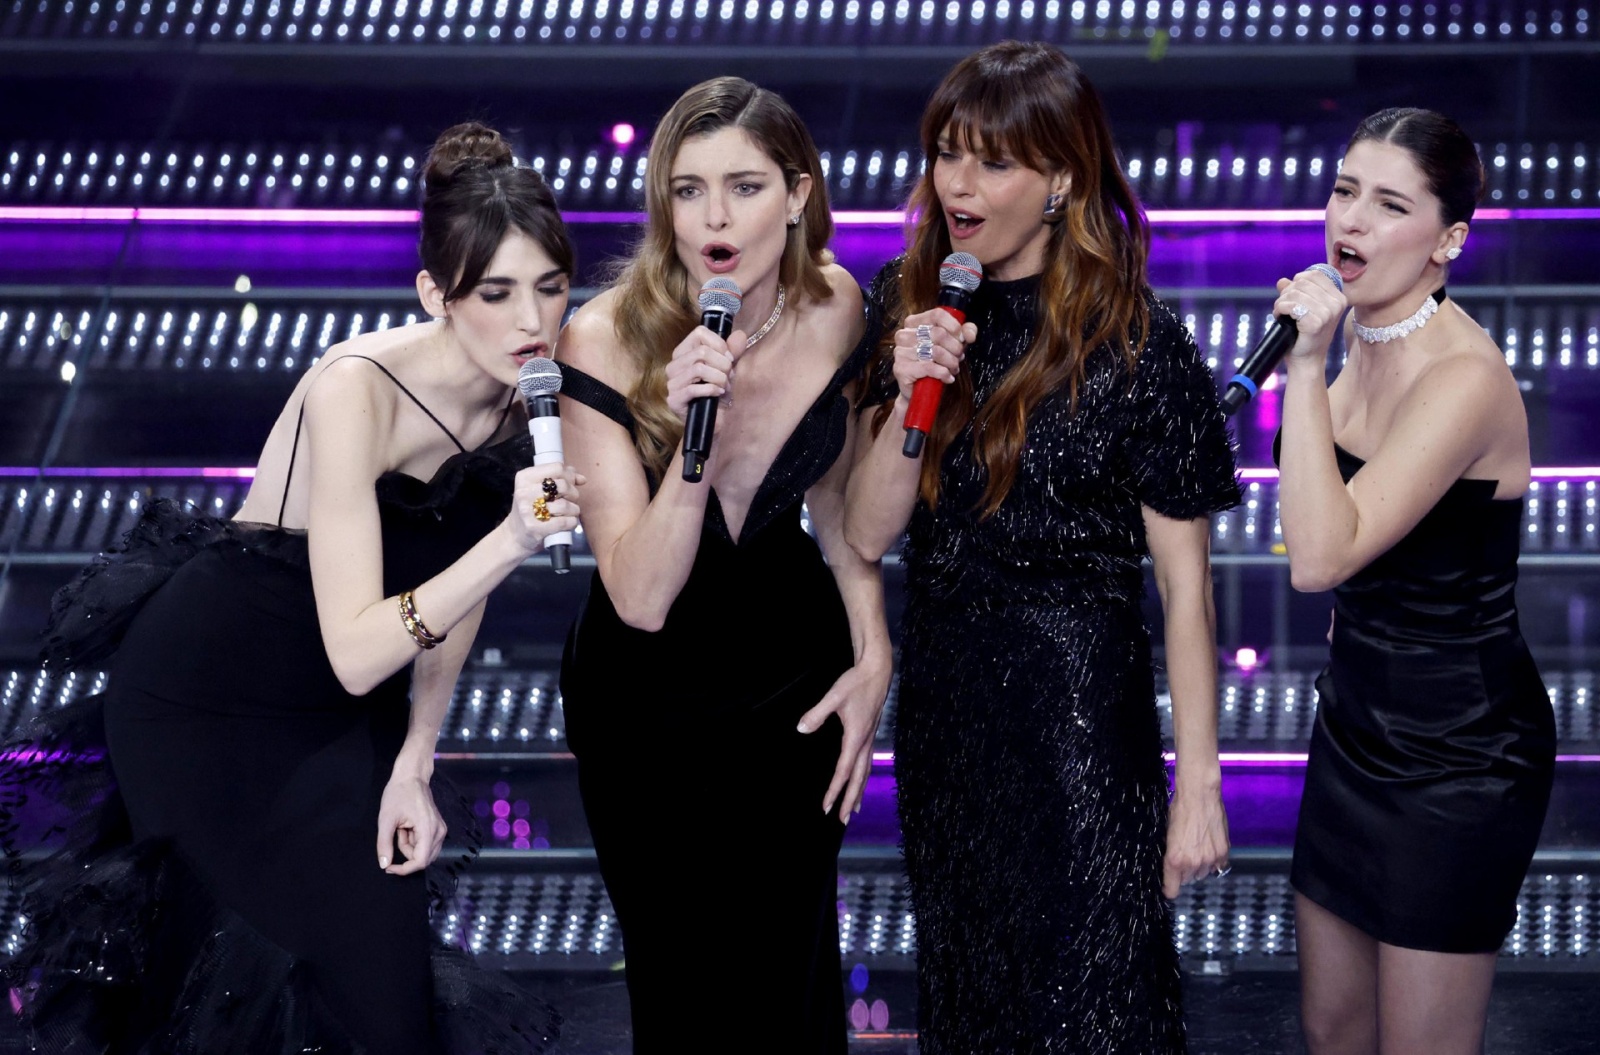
{"x": 1434, "y": 745}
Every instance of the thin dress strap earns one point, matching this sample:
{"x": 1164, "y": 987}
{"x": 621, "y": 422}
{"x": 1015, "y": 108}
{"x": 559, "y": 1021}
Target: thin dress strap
{"x": 300, "y": 421}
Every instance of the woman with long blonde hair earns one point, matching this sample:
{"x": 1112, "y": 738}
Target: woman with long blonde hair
{"x": 727, "y": 666}
{"x": 1080, "y": 432}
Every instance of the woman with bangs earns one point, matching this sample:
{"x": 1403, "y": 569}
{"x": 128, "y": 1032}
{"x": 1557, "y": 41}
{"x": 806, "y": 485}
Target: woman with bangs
{"x": 727, "y": 665}
{"x": 1080, "y": 432}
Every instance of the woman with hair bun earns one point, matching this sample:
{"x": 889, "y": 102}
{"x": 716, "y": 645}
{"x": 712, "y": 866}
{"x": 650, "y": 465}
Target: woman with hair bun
{"x": 728, "y": 666}
{"x": 255, "y": 870}
{"x": 1433, "y": 753}
{"x": 1081, "y": 432}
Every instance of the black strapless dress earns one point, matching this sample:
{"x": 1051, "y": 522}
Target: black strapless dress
{"x": 215, "y": 888}
{"x": 669, "y": 741}
{"x": 1032, "y": 793}
{"x": 1434, "y": 745}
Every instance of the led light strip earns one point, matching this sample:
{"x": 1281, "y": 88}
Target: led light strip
{"x": 844, "y": 218}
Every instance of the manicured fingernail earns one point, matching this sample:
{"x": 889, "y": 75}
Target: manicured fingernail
{"x": 383, "y": 862}
{"x": 803, "y": 727}
{"x": 845, "y": 819}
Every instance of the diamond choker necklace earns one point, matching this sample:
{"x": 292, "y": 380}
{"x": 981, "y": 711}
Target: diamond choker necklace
{"x": 1405, "y": 327}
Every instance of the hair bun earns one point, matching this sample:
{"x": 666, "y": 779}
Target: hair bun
{"x": 469, "y": 145}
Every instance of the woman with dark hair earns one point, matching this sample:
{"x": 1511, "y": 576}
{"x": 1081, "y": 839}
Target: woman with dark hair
{"x": 1401, "y": 490}
{"x": 252, "y": 878}
{"x": 756, "y": 656}
{"x": 1080, "y": 432}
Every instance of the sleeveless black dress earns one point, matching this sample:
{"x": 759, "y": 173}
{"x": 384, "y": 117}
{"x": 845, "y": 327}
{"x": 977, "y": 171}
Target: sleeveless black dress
{"x": 696, "y": 723}
{"x": 1032, "y": 792}
{"x": 216, "y": 889}
{"x": 1434, "y": 746}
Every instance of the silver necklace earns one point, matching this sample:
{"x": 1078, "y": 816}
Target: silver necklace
{"x": 1403, "y": 328}
{"x": 772, "y": 320}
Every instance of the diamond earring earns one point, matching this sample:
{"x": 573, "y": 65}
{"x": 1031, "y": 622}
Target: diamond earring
{"x": 794, "y": 221}
{"x": 1453, "y": 252}
{"x": 1054, "y": 208}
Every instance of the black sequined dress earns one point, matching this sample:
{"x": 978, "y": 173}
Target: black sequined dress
{"x": 694, "y": 724}
{"x": 209, "y": 884}
{"x": 1033, "y": 796}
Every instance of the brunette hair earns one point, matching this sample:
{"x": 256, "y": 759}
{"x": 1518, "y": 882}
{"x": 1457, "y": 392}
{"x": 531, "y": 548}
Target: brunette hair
{"x": 1033, "y": 105}
{"x": 473, "y": 194}
{"x": 1447, "y": 159}
{"x": 653, "y": 283}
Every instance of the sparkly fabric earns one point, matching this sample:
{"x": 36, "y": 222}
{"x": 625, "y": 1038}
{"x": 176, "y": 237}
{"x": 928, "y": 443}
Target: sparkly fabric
{"x": 1027, "y": 751}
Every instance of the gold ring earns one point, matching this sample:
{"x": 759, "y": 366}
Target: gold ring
{"x": 550, "y": 487}
{"x": 541, "y": 509}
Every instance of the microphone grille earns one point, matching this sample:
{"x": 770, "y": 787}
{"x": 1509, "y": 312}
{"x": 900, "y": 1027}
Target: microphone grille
{"x": 539, "y": 377}
{"x": 962, "y": 271}
{"x": 1332, "y": 275}
{"x": 721, "y": 294}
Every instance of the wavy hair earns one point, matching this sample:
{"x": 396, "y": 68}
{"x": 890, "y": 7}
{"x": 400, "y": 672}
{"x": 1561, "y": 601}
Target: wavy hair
{"x": 1033, "y": 105}
{"x": 653, "y": 284}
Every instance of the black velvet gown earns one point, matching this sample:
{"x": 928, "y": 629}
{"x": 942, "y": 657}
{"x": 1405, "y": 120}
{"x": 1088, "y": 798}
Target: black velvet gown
{"x": 1434, "y": 746}
{"x": 216, "y": 888}
{"x": 732, "y": 939}
{"x": 1033, "y": 796}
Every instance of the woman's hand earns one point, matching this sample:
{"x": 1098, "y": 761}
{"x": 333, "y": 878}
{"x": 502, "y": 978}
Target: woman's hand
{"x": 1316, "y": 305}
{"x": 702, "y": 365}
{"x": 550, "y": 490}
{"x": 409, "y": 822}
{"x": 1197, "y": 837}
{"x": 948, "y": 339}
{"x": 857, "y": 698}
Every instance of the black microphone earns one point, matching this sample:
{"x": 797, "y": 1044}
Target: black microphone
{"x": 539, "y": 380}
{"x": 719, "y": 303}
{"x": 1274, "y": 345}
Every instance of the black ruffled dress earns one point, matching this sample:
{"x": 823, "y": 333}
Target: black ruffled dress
{"x": 209, "y": 884}
{"x": 1032, "y": 793}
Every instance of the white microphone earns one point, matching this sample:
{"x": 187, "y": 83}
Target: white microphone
{"x": 539, "y": 380}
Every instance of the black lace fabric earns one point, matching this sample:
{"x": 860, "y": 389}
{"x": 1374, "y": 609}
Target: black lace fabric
{"x": 125, "y": 946}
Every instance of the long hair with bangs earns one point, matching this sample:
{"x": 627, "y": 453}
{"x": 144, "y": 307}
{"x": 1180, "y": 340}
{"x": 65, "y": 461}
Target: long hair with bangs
{"x": 1033, "y": 105}
{"x": 658, "y": 307}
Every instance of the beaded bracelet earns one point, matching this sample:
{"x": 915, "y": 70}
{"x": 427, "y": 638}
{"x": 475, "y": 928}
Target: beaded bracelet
{"x": 424, "y": 637}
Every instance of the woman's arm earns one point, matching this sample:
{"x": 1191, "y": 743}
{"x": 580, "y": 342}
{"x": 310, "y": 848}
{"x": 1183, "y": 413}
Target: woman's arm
{"x": 858, "y": 696}
{"x": 407, "y": 816}
{"x": 1444, "y": 424}
{"x": 1197, "y": 829}
{"x": 882, "y": 490}
{"x": 644, "y": 547}
{"x": 347, "y": 422}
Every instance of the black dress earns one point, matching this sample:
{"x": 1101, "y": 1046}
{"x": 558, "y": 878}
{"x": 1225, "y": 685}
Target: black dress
{"x": 1434, "y": 745}
{"x": 217, "y": 889}
{"x": 695, "y": 725}
{"x": 1033, "y": 796}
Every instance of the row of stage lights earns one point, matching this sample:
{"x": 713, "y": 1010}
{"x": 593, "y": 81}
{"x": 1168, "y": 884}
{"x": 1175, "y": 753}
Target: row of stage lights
{"x": 1079, "y": 23}
{"x": 1231, "y": 175}
{"x": 86, "y": 516}
{"x": 1536, "y": 335}
{"x": 519, "y": 712}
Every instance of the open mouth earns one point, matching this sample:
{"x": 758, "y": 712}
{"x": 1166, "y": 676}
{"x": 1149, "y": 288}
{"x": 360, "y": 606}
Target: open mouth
{"x": 538, "y": 350}
{"x": 1348, "y": 262}
{"x": 720, "y": 257}
{"x": 963, "y": 224}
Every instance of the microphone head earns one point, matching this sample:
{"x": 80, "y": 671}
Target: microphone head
{"x": 539, "y": 377}
{"x": 721, "y": 294}
{"x": 1330, "y": 273}
{"x": 962, "y": 271}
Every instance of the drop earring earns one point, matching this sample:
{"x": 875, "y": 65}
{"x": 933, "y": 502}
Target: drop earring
{"x": 1054, "y": 208}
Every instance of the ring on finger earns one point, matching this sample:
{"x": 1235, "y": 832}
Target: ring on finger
{"x": 541, "y": 509}
{"x": 1299, "y": 311}
{"x": 1220, "y": 872}
{"x": 925, "y": 342}
{"x": 550, "y": 488}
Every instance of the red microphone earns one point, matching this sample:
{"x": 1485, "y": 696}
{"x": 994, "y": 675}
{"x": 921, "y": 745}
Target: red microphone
{"x": 959, "y": 276}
